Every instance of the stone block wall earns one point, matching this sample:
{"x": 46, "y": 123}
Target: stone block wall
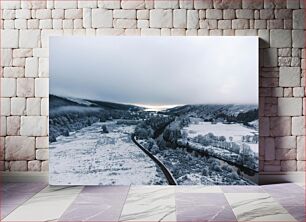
{"x": 26, "y": 26}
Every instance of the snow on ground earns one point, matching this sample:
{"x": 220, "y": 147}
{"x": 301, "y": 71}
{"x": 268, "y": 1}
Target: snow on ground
{"x": 220, "y": 129}
{"x": 89, "y": 157}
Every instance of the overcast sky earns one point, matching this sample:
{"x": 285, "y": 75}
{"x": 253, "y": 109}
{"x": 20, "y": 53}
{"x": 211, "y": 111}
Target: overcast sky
{"x": 156, "y": 70}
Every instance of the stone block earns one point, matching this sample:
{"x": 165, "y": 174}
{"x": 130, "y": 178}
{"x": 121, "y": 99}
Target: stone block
{"x": 264, "y": 38}
{"x": 10, "y": 5}
{"x": 252, "y": 4}
{"x": 9, "y": 38}
{"x": 13, "y": 125}
{"x": 264, "y": 126}
{"x": 58, "y": 13}
{"x": 285, "y": 154}
{"x": 42, "y": 142}
{"x": 3, "y": 130}
{"x": 298, "y": 38}
{"x": 142, "y": 24}
{"x": 18, "y": 165}
{"x": 8, "y": 87}
{"x": 34, "y": 165}
{"x": 5, "y": 108}
{"x": 280, "y": 38}
{"x": 109, "y": 4}
{"x": 29, "y": 38}
{"x": 87, "y": 4}
{"x": 289, "y": 106}
{"x": 245, "y": 14}
{"x": 19, "y": 148}
{"x": 42, "y": 154}
{"x": 179, "y": 18}
{"x": 125, "y": 23}
{"x": 31, "y": 67}
{"x": 143, "y": 14}
{"x": 166, "y": 4}
{"x": 133, "y": 4}
{"x": 283, "y": 14}
{"x": 284, "y": 52}
{"x": 229, "y": 14}
{"x": 160, "y": 18}
{"x": 41, "y": 87}
{"x": 124, "y": 14}
{"x": 214, "y": 14}
{"x": 43, "y": 67}
{"x": 289, "y": 76}
{"x": 73, "y": 13}
{"x": 288, "y": 165}
{"x": 25, "y": 87}
{"x": 301, "y": 148}
{"x": 22, "y": 53}
{"x": 298, "y": 126}
{"x": 266, "y": 14}
{"x": 224, "y": 24}
{"x": 33, "y": 4}
{"x": 8, "y": 14}
{"x": 298, "y": 92}
{"x": 269, "y": 148}
{"x": 13, "y": 72}
{"x": 43, "y": 13}
{"x": 192, "y": 19}
{"x": 44, "y": 107}
{"x": 280, "y": 126}
{"x": 285, "y": 142}
{"x": 66, "y": 4}
{"x": 240, "y": 24}
{"x": 186, "y": 4}
{"x": 301, "y": 166}
{"x": 18, "y": 106}
{"x": 34, "y": 126}
{"x": 150, "y": 32}
{"x": 102, "y": 18}
{"x": 33, "y": 106}
{"x": 299, "y": 19}
{"x": 6, "y": 57}
{"x": 270, "y": 57}
{"x": 227, "y": 4}
{"x": 45, "y": 166}
{"x": 293, "y": 4}
{"x": 23, "y": 14}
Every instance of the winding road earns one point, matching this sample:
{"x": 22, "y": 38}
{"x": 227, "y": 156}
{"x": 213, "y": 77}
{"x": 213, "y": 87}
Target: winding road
{"x": 171, "y": 180}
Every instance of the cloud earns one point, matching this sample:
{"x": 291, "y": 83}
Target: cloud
{"x": 156, "y": 70}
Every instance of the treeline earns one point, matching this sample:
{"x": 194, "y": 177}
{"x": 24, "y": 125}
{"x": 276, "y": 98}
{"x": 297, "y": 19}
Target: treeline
{"x": 152, "y": 127}
{"x": 243, "y": 117}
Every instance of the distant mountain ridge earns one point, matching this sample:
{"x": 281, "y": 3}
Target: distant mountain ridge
{"x": 59, "y": 101}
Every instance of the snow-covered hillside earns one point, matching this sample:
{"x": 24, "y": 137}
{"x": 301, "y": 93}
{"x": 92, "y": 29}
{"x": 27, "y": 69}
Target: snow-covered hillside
{"x": 91, "y": 157}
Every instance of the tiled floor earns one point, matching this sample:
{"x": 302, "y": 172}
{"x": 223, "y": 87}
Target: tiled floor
{"x": 39, "y": 202}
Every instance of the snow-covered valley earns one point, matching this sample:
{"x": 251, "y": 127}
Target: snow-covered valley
{"x": 91, "y": 157}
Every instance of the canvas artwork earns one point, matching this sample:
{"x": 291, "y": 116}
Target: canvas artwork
{"x": 153, "y": 110}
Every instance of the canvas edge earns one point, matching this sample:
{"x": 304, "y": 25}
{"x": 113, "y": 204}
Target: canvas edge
{"x": 264, "y": 177}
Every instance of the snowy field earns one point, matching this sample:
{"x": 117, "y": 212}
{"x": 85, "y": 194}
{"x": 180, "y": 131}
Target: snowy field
{"x": 89, "y": 157}
{"x": 219, "y": 129}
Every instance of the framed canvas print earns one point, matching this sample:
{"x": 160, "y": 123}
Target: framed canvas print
{"x": 153, "y": 110}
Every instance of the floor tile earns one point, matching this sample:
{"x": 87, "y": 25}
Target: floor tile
{"x": 242, "y": 189}
{"x": 97, "y": 204}
{"x": 198, "y": 189}
{"x": 257, "y": 207}
{"x": 149, "y": 203}
{"x": 15, "y": 194}
{"x": 6, "y": 210}
{"x": 283, "y": 188}
{"x": 298, "y": 212}
{"x": 22, "y": 187}
{"x": 203, "y": 207}
{"x": 47, "y": 205}
{"x": 291, "y": 199}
